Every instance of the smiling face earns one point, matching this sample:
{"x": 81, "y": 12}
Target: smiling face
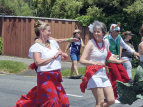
{"x": 98, "y": 34}
{"x": 46, "y": 33}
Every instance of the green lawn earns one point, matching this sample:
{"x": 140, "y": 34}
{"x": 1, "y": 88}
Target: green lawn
{"x": 81, "y": 71}
{"x": 12, "y": 66}
{"x": 66, "y": 72}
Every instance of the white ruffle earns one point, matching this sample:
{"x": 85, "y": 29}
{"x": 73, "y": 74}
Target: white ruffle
{"x": 34, "y": 48}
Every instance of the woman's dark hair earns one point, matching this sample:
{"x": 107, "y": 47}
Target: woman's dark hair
{"x": 40, "y": 26}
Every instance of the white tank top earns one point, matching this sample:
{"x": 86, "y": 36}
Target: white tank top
{"x": 96, "y": 55}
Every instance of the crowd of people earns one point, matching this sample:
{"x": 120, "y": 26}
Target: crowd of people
{"x": 104, "y": 50}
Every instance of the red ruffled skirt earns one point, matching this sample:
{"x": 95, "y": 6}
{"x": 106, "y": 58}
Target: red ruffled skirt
{"x": 48, "y": 93}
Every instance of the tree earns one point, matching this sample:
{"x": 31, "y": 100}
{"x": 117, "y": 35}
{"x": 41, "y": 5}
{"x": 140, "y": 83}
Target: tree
{"x": 16, "y": 7}
{"x": 66, "y": 9}
{"x": 135, "y": 9}
{"x": 43, "y": 8}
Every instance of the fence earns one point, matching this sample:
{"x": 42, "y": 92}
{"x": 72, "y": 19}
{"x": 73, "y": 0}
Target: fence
{"x": 18, "y": 33}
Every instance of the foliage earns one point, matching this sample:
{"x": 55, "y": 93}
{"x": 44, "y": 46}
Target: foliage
{"x": 66, "y": 9}
{"x": 43, "y": 8}
{"x": 1, "y": 44}
{"x": 135, "y": 9}
{"x": 12, "y": 66}
{"x": 133, "y": 72}
{"x": 94, "y": 11}
{"x": 17, "y": 7}
{"x": 85, "y": 20}
{"x": 135, "y": 62}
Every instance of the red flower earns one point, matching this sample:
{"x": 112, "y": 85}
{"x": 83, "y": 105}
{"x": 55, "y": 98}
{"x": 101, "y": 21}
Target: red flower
{"x": 112, "y": 27}
{"x": 119, "y": 25}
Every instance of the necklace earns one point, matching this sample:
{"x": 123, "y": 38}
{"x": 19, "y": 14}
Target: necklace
{"x": 45, "y": 45}
{"x": 101, "y": 49}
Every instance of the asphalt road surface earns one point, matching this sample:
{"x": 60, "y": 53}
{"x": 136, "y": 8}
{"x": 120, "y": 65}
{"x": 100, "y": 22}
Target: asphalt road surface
{"x": 13, "y": 86}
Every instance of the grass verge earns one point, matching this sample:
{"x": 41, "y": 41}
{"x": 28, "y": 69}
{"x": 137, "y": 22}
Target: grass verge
{"x": 81, "y": 71}
{"x": 12, "y": 66}
{"x": 66, "y": 72}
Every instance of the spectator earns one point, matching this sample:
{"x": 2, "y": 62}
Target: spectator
{"x": 125, "y": 55}
{"x": 74, "y": 51}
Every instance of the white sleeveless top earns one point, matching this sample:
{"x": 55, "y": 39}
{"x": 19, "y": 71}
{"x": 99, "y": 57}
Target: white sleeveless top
{"x": 47, "y": 53}
{"x": 96, "y": 55}
{"x": 99, "y": 79}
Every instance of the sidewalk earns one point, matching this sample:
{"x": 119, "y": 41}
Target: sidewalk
{"x": 28, "y": 61}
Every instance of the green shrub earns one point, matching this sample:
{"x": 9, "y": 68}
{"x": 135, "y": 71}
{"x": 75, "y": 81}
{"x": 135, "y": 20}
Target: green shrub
{"x": 1, "y": 44}
{"x": 85, "y": 20}
{"x": 135, "y": 62}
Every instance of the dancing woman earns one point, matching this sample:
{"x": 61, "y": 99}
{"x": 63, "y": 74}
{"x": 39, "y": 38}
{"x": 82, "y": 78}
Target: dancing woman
{"x": 47, "y": 56}
{"x": 94, "y": 56}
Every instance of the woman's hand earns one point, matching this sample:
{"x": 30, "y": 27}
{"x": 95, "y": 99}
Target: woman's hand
{"x": 137, "y": 58}
{"x": 122, "y": 61}
{"x": 64, "y": 56}
{"x": 99, "y": 63}
{"x": 57, "y": 54}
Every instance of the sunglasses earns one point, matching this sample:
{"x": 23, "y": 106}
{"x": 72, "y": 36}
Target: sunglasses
{"x": 117, "y": 30}
{"x": 78, "y": 33}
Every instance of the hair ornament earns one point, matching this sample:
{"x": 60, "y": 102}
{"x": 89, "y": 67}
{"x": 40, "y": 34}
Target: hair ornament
{"x": 42, "y": 23}
{"x": 90, "y": 28}
{"x": 114, "y": 27}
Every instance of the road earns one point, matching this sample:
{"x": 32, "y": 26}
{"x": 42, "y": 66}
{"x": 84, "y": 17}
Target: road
{"x": 13, "y": 86}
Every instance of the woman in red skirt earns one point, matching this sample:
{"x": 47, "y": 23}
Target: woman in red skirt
{"x": 47, "y": 57}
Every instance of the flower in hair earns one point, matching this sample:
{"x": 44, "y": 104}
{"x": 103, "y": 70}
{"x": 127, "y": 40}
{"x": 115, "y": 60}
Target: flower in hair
{"x": 90, "y": 28}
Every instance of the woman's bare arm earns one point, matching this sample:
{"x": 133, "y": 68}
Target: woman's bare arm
{"x": 84, "y": 58}
{"x": 40, "y": 62}
{"x": 82, "y": 44}
{"x": 65, "y": 39}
